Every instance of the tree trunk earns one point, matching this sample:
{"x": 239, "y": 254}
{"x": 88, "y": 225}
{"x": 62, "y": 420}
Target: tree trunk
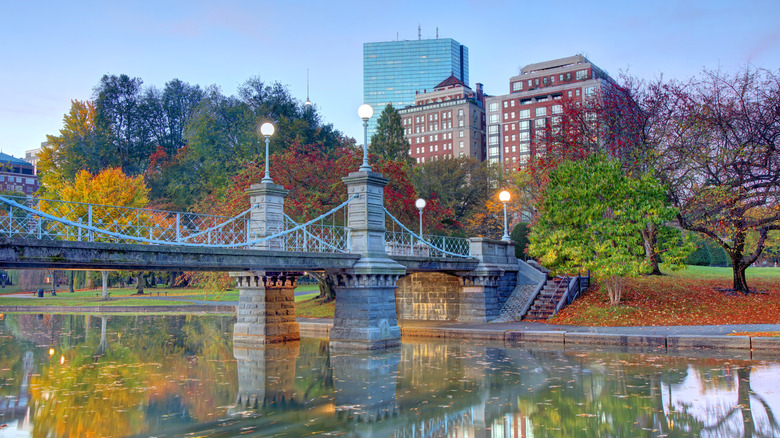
{"x": 650, "y": 237}
{"x": 740, "y": 281}
{"x": 325, "y": 284}
{"x": 70, "y": 282}
{"x": 104, "y": 274}
{"x": 139, "y": 279}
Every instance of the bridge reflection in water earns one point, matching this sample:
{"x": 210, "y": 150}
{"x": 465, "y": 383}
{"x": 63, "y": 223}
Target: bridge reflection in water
{"x": 180, "y": 376}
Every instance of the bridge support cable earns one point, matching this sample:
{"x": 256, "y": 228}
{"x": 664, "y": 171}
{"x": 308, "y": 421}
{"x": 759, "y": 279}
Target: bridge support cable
{"x": 407, "y": 242}
{"x": 161, "y": 227}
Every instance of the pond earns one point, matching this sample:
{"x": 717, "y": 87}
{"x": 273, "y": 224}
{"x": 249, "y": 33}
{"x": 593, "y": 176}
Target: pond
{"x": 177, "y": 376}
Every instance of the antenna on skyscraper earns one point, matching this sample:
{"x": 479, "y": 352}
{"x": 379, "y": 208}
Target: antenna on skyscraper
{"x": 437, "y": 32}
{"x": 419, "y": 32}
{"x": 308, "y": 102}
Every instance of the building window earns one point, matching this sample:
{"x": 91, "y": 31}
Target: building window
{"x": 568, "y": 77}
{"x": 523, "y": 125}
{"x": 539, "y": 123}
{"x": 557, "y": 109}
{"x": 460, "y": 113}
{"x": 541, "y": 111}
{"x": 517, "y": 86}
{"x": 569, "y": 93}
{"x": 529, "y": 82}
{"x": 577, "y": 92}
{"x": 512, "y": 102}
{"x": 493, "y": 106}
{"x": 582, "y": 74}
{"x": 460, "y": 134}
{"x": 524, "y": 136}
{"x": 590, "y": 90}
{"x": 493, "y": 119}
{"x": 525, "y": 114}
{"x": 513, "y": 137}
{"x": 460, "y": 123}
{"x": 560, "y": 77}
{"x": 493, "y": 129}
{"x": 460, "y": 145}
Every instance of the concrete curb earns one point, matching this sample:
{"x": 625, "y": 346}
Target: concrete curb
{"x": 699, "y": 341}
{"x": 615, "y": 340}
{"x": 637, "y": 342}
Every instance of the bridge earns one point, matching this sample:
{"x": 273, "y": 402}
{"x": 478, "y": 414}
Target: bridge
{"x": 379, "y": 268}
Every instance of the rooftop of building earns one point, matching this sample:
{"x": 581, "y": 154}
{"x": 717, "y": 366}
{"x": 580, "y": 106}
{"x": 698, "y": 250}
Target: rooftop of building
{"x": 450, "y": 82}
{"x": 554, "y": 63}
{"x": 5, "y": 158}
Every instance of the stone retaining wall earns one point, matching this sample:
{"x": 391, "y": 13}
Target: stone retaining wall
{"x": 428, "y": 296}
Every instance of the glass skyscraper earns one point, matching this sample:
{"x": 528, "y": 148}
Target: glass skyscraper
{"x": 394, "y": 71}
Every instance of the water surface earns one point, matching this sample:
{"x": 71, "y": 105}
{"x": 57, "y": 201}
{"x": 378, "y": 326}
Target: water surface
{"x": 176, "y": 376}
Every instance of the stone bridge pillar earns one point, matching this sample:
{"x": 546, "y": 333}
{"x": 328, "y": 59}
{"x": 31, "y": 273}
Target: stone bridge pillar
{"x": 485, "y": 289}
{"x": 365, "y": 315}
{"x": 268, "y": 214}
{"x": 266, "y": 308}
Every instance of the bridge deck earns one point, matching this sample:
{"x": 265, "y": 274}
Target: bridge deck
{"x": 17, "y": 253}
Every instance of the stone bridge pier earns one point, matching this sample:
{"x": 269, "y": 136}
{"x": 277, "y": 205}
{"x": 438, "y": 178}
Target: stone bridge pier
{"x": 365, "y": 315}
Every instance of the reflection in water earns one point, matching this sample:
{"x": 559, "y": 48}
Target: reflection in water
{"x": 181, "y": 376}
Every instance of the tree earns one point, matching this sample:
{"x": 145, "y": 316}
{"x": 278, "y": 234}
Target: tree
{"x": 520, "y": 237}
{"x": 120, "y": 114}
{"x": 591, "y": 218}
{"x": 222, "y": 138}
{"x": 389, "y": 141}
{"x": 617, "y": 120}
{"x": 80, "y": 146}
{"x": 109, "y": 187}
{"x": 461, "y": 184}
{"x": 720, "y": 158}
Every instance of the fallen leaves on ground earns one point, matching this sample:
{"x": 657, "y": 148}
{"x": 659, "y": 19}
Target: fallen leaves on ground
{"x": 672, "y": 300}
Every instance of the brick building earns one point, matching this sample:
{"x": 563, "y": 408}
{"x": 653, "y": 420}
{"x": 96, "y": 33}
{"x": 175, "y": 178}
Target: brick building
{"x": 17, "y": 175}
{"x": 447, "y": 122}
{"x": 535, "y": 102}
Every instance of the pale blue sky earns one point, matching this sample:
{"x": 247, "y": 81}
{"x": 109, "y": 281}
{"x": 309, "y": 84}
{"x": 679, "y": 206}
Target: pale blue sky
{"x": 52, "y": 52}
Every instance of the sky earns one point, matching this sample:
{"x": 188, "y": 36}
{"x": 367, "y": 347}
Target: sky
{"x": 52, "y": 52}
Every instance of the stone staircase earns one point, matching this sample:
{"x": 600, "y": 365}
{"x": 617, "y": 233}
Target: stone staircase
{"x": 548, "y": 298}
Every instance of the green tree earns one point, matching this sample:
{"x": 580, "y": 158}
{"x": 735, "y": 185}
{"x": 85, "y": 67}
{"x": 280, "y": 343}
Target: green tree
{"x": 460, "y": 184}
{"x": 80, "y": 145}
{"x": 120, "y": 114}
{"x": 520, "y": 237}
{"x": 389, "y": 141}
{"x": 591, "y": 217}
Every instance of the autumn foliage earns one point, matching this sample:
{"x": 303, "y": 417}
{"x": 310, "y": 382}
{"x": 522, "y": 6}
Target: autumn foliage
{"x": 313, "y": 178}
{"x": 675, "y": 300}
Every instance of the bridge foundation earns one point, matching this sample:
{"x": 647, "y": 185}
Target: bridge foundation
{"x": 266, "y": 308}
{"x": 485, "y": 289}
{"x": 365, "y": 315}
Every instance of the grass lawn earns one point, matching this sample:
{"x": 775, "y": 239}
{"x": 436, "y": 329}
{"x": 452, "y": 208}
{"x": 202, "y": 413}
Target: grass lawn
{"x": 127, "y": 297}
{"x": 690, "y": 297}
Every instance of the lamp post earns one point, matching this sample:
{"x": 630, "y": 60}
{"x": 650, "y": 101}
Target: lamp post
{"x": 420, "y": 204}
{"x": 266, "y": 130}
{"x": 365, "y": 112}
{"x": 504, "y": 197}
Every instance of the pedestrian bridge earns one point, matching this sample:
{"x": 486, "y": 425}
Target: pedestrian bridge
{"x": 371, "y": 259}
